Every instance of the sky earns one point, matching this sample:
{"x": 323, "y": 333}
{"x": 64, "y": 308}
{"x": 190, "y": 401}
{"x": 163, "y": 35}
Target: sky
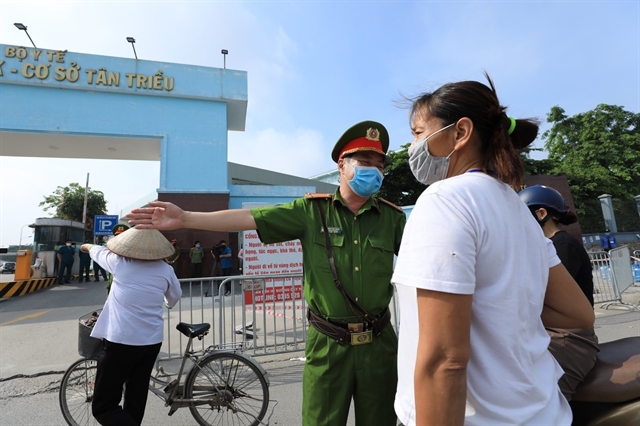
{"x": 315, "y": 68}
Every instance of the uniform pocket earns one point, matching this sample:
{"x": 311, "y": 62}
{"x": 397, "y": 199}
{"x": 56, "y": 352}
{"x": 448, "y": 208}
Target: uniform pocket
{"x": 320, "y": 250}
{"x": 380, "y": 256}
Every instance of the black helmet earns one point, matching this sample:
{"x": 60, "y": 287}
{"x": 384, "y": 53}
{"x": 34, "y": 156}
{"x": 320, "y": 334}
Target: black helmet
{"x": 538, "y": 196}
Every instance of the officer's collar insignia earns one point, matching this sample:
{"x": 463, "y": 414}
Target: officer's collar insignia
{"x": 373, "y": 134}
{"x": 332, "y": 230}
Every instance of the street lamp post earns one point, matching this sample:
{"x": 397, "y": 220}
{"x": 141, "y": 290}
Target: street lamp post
{"x": 20, "y": 243}
{"x": 225, "y": 52}
{"x": 23, "y": 27}
{"x": 133, "y": 41}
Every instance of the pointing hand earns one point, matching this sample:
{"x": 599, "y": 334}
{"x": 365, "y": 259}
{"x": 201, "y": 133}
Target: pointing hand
{"x": 160, "y": 215}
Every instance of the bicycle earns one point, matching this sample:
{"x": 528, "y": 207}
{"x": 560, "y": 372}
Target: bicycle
{"x": 224, "y": 386}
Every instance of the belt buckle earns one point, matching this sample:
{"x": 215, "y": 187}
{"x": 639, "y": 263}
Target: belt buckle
{"x": 361, "y": 338}
{"x": 357, "y": 327}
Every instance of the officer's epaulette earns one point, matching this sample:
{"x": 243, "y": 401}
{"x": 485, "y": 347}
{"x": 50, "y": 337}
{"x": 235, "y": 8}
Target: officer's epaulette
{"x": 317, "y": 196}
{"x": 390, "y": 204}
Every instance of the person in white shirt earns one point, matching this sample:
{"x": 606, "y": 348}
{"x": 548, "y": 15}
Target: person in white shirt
{"x": 131, "y": 322}
{"x": 240, "y": 257}
{"x": 37, "y": 263}
{"x": 476, "y": 278}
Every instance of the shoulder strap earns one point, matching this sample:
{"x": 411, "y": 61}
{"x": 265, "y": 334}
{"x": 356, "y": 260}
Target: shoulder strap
{"x": 352, "y": 303}
{"x": 390, "y": 204}
{"x": 317, "y": 196}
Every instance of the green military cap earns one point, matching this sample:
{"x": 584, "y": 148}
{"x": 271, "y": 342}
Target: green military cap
{"x": 364, "y": 136}
{"x": 119, "y": 229}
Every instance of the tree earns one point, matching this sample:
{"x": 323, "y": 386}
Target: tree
{"x": 68, "y": 203}
{"x": 535, "y": 167}
{"x": 598, "y": 151}
{"x": 399, "y": 185}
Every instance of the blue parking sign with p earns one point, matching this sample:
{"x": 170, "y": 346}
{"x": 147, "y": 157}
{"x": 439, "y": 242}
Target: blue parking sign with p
{"x": 103, "y": 224}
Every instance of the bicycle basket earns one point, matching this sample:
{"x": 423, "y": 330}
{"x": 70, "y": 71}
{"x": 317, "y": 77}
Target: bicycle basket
{"x": 88, "y": 347}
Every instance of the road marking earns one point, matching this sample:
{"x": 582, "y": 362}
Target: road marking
{"x": 36, "y": 315}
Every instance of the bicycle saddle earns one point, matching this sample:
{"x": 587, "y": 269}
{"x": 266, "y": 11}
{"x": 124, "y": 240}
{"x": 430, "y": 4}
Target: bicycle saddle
{"x": 616, "y": 375}
{"x": 193, "y": 330}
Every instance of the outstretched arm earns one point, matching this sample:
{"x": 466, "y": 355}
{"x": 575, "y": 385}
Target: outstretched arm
{"x": 167, "y": 216}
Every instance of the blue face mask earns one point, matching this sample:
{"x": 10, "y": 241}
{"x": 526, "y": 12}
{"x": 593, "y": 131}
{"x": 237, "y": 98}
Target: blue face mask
{"x": 197, "y": 245}
{"x": 366, "y": 180}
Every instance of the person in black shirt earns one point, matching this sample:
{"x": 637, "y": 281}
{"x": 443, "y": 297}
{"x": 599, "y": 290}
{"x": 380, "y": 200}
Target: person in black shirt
{"x": 573, "y": 256}
{"x": 575, "y": 350}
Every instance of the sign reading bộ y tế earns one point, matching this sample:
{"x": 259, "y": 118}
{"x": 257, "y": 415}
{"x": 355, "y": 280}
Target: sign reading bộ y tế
{"x": 34, "y": 64}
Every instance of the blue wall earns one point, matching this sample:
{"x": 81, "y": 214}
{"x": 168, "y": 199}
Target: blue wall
{"x": 188, "y": 108}
{"x": 239, "y": 194}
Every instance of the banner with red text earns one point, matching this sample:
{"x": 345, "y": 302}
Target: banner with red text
{"x": 261, "y": 260}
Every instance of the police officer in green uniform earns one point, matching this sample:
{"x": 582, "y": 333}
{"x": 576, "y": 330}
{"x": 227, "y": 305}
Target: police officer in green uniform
{"x": 351, "y": 348}
{"x": 171, "y": 260}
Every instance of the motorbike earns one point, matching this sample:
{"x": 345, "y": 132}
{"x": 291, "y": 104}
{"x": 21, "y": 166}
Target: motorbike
{"x": 610, "y": 394}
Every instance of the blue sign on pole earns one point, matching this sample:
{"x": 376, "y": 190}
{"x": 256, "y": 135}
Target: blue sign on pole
{"x": 103, "y": 224}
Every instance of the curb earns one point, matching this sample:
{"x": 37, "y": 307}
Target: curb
{"x": 20, "y": 288}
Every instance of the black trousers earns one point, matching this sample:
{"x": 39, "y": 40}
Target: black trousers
{"x": 61, "y": 270}
{"x": 119, "y": 365}
{"x": 97, "y": 269}
{"x": 196, "y": 270}
{"x": 85, "y": 267}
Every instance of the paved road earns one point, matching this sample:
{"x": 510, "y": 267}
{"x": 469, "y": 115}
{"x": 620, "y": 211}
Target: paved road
{"x": 38, "y": 341}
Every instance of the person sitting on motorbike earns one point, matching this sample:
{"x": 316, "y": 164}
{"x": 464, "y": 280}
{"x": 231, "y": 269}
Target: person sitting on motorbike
{"x": 574, "y": 349}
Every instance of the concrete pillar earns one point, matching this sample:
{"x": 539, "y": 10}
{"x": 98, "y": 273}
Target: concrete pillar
{"x": 637, "y": 198}
{"x": 607, "y": 213}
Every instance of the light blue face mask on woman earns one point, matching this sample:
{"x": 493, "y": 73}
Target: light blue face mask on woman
{"x": 366, "y": 180}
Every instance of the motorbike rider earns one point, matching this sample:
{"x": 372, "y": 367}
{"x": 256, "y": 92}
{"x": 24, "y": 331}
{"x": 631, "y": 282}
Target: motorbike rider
{"x": 575, "y": 349}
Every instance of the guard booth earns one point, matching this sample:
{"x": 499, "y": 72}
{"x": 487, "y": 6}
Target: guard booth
{"x": 49, "y": 235}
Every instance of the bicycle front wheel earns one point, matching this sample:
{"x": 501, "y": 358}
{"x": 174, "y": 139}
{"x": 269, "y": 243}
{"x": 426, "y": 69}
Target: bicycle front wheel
{"x": 76, "y": 393}
{"x": 230, "y": 390}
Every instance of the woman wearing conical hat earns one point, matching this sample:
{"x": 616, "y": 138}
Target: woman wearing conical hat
{"x": 131, "y": 322}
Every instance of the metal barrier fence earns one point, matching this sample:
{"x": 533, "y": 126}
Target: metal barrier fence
{"x": 610, "y": 281}
{"x": 265, "y": 315}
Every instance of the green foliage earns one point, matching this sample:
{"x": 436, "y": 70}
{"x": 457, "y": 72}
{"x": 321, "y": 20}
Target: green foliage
{"x": 535, "y": 167}
{"x": 627, "y": 218}
{"x": 590, "y": 215}
{"x": 68, "y": 203}
{"x": 598, "y": 151}
{"x": 399, "y": 185}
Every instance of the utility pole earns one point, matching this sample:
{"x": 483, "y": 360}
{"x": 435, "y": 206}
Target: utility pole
{"x": 84, "y": 209}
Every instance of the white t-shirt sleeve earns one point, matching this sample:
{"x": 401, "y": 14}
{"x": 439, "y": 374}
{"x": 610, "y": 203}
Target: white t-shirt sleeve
{"x": 438, "y": 250}
{"x": 104, "y": 257}
{"x": 174, "y": 291}
{"x": 553, "y": 254}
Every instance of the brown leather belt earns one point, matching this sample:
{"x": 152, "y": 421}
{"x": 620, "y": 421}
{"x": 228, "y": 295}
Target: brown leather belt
{"x": 350, "y": 333}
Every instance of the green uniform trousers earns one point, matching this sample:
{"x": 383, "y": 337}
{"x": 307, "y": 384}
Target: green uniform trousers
{"x": 335, "y": 374}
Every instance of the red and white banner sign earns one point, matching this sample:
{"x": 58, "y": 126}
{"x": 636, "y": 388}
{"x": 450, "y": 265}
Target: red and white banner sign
{"x": 261, "y": 260}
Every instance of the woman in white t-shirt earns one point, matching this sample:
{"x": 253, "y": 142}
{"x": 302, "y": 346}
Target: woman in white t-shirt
{"x": 131, "y": 322}
{"x": 475, "y": 275}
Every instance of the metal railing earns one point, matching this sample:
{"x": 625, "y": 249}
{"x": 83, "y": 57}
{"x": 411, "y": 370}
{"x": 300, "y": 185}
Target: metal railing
{"x": 265, "y": 315}
{"x": 608, "y": 285}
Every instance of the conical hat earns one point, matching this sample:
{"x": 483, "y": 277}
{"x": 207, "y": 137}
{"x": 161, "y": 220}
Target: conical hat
{"x": 142, "y": 244}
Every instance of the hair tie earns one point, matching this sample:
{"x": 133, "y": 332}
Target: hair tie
{"x": 512, "y": 127}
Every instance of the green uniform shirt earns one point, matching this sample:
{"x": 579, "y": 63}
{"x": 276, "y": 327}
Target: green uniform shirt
{"x": 174, "y": 256}
{"x": 196, "y": 255}
{"x": 363, "y": 247}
